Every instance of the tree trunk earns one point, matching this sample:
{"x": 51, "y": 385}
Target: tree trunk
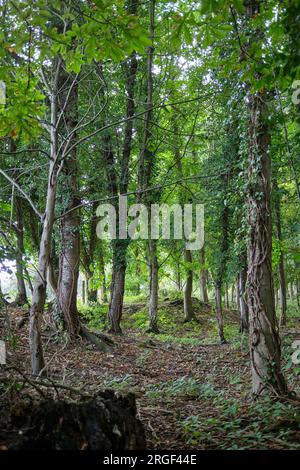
{"x": 243, "y": 307}
{"x": 219, "y": 313}
{"x": 53, "y": 268}
{"x": 39, "y": 290}
{"x": 226, "y": 296}
{"x": 232, "y": 294}
{"x": 120, "y": 246}
{"x": 178, "y": 278}
{"x": 264, "y": 338}
{"x": 40, "y": 285}
{"x": 83, "y": 297}
{"x": 70, "y": 252}
{"x": 91, "y": 293}
{"x": 281, "y": 269}
{"x": 69, "y": 259}
{"x": 117, "y": 285}
{"x": 21, "y": 298}
{"x": 103, "y": 291}
{"x": 188, "y": 306}
{"x": 203, "y": 277}
{"x": 153, "y": 294}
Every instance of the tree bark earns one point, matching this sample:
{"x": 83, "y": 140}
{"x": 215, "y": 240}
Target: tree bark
{"x": 219, "y": 313}
{"x": 40, "y": 285}
{"x": 264, "y": 338}
{"x": 153, "y": 294}
{"x": 103, "y": 291}
{"x": 203, "y": 277}
{"x": 243, "y": 307}
{"x": 281, "y": 268}
{"x": 187, "y": 299}
{"x": 69, "y": 259}
{"x": 117, "y": 285}
{"x": 120, "y": 246}
{"x": 21, "y": 298}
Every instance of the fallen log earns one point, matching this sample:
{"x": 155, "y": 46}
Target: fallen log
{"x": 100, "y": 422}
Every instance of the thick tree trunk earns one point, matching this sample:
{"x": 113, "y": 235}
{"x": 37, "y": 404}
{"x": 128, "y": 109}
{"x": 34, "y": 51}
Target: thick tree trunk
{"x": 219, "y": 313}
{"x": 264, "y": 337}
{"x": 203, "y": 277}
{"x": 187, "y": 299}
{"x": 153, "y": 294}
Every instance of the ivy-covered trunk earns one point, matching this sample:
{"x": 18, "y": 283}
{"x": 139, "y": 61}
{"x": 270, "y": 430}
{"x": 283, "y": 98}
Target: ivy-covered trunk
{"x": 70, "y": 256}
{"x": 70, "y": 222}
{"x": 264, "y": 338}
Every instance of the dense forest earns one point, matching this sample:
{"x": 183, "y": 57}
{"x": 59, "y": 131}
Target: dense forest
{"x": 150, "y": 224}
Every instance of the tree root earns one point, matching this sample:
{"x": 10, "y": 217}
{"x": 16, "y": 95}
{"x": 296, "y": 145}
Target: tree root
{"x": 100, "y": 341}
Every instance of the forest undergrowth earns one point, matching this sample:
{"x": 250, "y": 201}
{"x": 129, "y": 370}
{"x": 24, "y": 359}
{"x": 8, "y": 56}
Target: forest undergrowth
{"x": 192, "y": 392}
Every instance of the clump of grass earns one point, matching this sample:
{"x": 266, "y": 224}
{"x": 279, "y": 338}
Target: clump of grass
{"x": 236, "y": 426}
{"x": 181, "y": 387}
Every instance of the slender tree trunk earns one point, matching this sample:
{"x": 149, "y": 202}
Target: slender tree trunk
{"x": 232, "y": 294}
{"x": 83, "y": 297}
{"x": 91, "y": 294}
{"x": 281, "y": 269}
{"x": 21, "y": 298}
{"x": 40, "y": 285}
{"x": 226, "y": 296}
{"x": 117, "y": 285}
{"x": 178, "y": 278}
{"x": 222, "y": 263}
{"x": 39, "y": 290}
{"x": 153, "y": 294}
{"x": 203, "y": 277}
{"x": 264, "y": 338}
{"x": 103, "y": 290}
{"x": 219, "y": 313}
{"x": 53, "y": 268}
{"x": 188, "y": 306}
{"x": 243, "y": 307}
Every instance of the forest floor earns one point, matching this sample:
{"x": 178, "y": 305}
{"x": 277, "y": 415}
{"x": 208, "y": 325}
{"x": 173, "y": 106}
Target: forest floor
{"x": 192, "y": 392}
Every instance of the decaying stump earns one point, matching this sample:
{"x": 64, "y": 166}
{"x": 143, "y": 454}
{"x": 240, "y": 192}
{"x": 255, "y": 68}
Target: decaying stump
{"x": 104, "y": 421}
